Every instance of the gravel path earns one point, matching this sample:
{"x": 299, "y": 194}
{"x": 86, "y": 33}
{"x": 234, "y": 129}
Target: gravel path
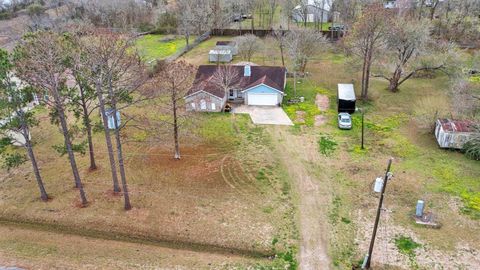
{"x": 296, "y": 152}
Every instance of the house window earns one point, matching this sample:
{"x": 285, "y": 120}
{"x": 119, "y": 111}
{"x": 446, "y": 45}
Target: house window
{"x": 193, "y": 105}
{"x": 239, "y": 94}
{"x": 213, "y": 106}
{"x": 231, "y": 92}
{"x": 203, "y": 104}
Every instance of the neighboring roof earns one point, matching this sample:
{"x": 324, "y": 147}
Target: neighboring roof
{"x": 220, "y": 52}
{"x": 244, "y": 63}
{"x": 450, "y": 125}
{"x": 273, "y": 77}
{"x": 346, "y": 92}
{"x": 225, "y": 43}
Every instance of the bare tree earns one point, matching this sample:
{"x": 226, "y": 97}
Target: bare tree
{"x": 280, "y": 39}
{"x": 82, "y": 95}
{"x": 41, "y": 64}
{"x": 465, "y": 103}
{"x": 366, "y": 38}
{"x": 118, "y": 75}
{"x": 170, "y": 85}
{"x": 303, "y": 44}
{"x": 98, "y": 49}
{"x": 248, "y": 45}
{"x": 410, "y": 49}
{"x": 15, "y": 100}
{"x": 226, "y": 77}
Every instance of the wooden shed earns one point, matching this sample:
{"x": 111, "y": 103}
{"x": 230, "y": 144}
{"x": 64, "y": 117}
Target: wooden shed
{"x": 453, "y": 134}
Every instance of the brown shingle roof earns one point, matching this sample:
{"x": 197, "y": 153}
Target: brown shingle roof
{"x": 271, "y": 76}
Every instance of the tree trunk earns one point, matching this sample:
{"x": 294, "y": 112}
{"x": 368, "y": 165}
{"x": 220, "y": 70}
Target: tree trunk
{"x": 281, "y": 53}
{"x": 367, "y": 72}
{"x": 253, "y": 24}
{"x": 101, "y": 103}
{"x": 88, "y": 127}
{"x": 121, "y": 165}
{"x": 364, "y": 93}
{"x": 68, "y": 144}
{"x": 36, "y": 171}
{"x": 295, "y": 84}
{"x": 175, "y": 129}
{"x": 394, "y": 81}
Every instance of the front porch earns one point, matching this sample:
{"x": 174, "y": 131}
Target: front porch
{"x": 236, "y": 96}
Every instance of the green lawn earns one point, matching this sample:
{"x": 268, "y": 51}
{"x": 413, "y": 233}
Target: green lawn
{"x": 151, "y": 47}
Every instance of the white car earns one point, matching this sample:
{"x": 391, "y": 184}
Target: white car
{"x": 344, "y": 121}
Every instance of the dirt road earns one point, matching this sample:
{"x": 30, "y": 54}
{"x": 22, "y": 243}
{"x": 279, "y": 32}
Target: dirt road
{"x": 298, "y": 153}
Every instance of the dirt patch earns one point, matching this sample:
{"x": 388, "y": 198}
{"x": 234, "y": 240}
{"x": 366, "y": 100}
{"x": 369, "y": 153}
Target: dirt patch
{"x": 322, "y": 102}
{"x": 320, "y": 120}
{"x": 386, "y": 253}
{"x": 300, "y": 117}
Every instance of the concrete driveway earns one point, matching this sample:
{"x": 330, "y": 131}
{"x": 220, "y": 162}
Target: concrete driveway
{"x": 265, "y": 115}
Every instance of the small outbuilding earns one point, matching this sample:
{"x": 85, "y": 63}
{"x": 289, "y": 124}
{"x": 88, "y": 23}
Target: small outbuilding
{"x": 453, "y": 134}
{"x": 346, "y": 98}
{"x": 220, "y": 56}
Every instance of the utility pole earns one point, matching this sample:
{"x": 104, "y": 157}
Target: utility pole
{"x": 368, "y": 259}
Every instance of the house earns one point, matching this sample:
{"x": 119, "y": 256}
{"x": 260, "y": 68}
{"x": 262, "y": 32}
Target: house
{"x": 453, "y": 134}
{"x": 255, "y": 85}
{"x": 346, "y": 98}
{"x": 220, "y": 56}
{"x": 390, "y": 4}
{"x": 312, "y": 11}
{"x": 227, "y": 45}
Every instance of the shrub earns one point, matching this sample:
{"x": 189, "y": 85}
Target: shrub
{"x": 326, "y": 145}
{"x": 472, "y": 148}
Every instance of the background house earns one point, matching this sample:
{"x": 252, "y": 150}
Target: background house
{"x": 255, "y": 85}
{"x": 453, "y": 133}
{"x": 312, "y": 11}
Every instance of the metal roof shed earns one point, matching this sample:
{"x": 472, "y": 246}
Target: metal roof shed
{"x": 346, "y": 98}
{"x": 222, "y": 56}
{"x": 453, "y": 134}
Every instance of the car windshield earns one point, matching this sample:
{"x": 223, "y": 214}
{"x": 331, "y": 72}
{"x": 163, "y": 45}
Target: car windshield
{"x": 345, "y": 120}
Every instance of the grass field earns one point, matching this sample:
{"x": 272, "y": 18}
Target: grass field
{"x": 230, "y": 190}
{"x": 226, "y": 193}
{"x": 446, "y": 180}
{"x": 151, "y": 47}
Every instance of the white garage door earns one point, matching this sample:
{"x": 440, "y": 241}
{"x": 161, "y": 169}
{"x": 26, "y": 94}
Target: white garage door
{"x": 262, "y": 99}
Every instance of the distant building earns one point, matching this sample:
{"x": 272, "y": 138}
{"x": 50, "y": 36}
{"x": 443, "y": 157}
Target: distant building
{"x": 453, "y": 134}
{"x": 312, "y": 11}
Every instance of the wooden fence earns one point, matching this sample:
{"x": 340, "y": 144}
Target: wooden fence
{"x": 335, "y": 35}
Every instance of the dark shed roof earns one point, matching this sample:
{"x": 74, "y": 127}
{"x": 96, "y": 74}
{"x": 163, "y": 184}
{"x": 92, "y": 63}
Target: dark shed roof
{"x": 225, "y": 43}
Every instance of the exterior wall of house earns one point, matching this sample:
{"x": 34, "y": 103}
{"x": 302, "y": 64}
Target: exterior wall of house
{"x": 263, "y": 89}
{"x": 313, "y": 15}
{"x": 202, "y": 102}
